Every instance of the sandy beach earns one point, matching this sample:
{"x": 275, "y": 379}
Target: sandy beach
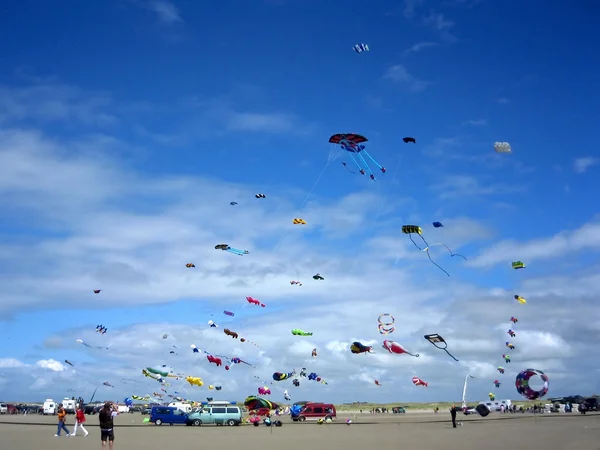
{"x": 410, "y": 431}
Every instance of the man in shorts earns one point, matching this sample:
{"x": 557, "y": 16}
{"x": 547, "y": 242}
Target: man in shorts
{"x": 107, "y": 433}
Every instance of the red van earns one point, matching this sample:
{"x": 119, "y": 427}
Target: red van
{"x": 315, "y": 411}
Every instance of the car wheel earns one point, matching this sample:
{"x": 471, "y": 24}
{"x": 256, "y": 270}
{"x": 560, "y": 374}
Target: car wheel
{"x": 158, "y": 422}
{"x": 197, "y": 423}
{"x": 231, "y": 423}
{"x": 301, "y": 418}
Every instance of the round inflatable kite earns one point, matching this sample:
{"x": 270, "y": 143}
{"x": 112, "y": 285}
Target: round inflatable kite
{"x": 522, "y": 384}
{"x": 386, "y": 323}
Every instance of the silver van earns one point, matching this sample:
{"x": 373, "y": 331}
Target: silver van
{"x": 218, "y": 415}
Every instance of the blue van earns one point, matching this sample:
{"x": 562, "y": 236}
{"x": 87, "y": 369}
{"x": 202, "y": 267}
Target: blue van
{"x": 167, "y": 414}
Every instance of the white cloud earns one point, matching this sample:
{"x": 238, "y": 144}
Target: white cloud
{"x": 463, "y": 186}
{"x": 82, "y": 219}
{"x": 399, "y": 74}
{"x": 277, "y": 123}
{"x": 581, "y": 165}
{"x": 166, "y": 11}
{"x": 503, "y": 100}
{"x": 419, "y": 46}
{"x": 475, "y": 122}
{"x": 410, "y": 7}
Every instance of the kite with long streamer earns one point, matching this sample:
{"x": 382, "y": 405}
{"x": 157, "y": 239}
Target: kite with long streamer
{"x": 437, "y": 342}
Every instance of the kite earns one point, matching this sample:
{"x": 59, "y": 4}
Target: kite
{"x": 137, "y": 397}
{"x": 418, "y": 382}
{"x": 437, "y": 224}
{"x": 82, "y": 342}
{"x": 260, "y": 196}
{"x": 228, "y": 332}
{"x": 346, "y": 166}
{"x": 520, "y": 299}
{"x": 497, "y": 383}
{"x": 482, "y": 410}
{"x": 408, "y": 139}
{"x": 518, "y": 265}
{"x": 235, "y": 251}
{"x": 190, "y": 265}
{"x": 299, "y": 332}
{"x": 264, "y": 390}
{"x": 359, "y": 48}
{"x": 194, "y": 349}
{"x": 314, "y": 353}
{"x": 299, "y": 221}
{"x": 253, "y": 403}
{"x": 101, "y": 329}
{"x": 357, "y": 348}
{"x": 233, "y": 203}
{"x": 148, "y": 374}
{"x": 286, "y": 395}
{"x": 296, "y": 382}
{"x": 236, "y": 360}
{"x": 506, "y": 358}
{"x": 491, "y": 396}
{"x": 295, "y": 283}
{"x": 500, "y": 369}
{"x": 164, "y": 336}
{"x": 523, "y": 387}
{"x": 69, "y": 363}
{"x": 386, "y": 323}
{"x": 280, "y": 376}
{"x": 353, "y": 144}
{"x": 255, "y": 302}
{"x": 378, "y": 383}
{"x": 106, "y": 383}
{"x": 228, "y": 313}
{"x": 509, "y": 345}
{"x": 513, "y": 319}
{"x": 97, "y": 291}
{"x": 511, "y": 333}
{"x": 214, "y": 360}
{"x": 318, "y": 276}
{"x": 314, "y": 377}
{"x": 502, "y": 147}
{"x": 394, "y": 347}
{"x": 212, "y": 324}
{"x": 437, "y": 339}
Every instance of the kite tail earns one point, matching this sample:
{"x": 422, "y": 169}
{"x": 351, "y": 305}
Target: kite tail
{"x": 453, "y": 254}
{"x": 416, "y": 355}
{"x": 359, "y": 155}
{"x": 449, "y": 354}
{"x": 437, "y": 265}
{"x": 371, "y": 158}
{"x": 411, "y": 239}
{"x": 355, "y": 162}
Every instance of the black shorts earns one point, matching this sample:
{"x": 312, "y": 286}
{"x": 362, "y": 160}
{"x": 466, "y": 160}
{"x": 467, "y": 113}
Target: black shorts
{"x": 107, "y": 435}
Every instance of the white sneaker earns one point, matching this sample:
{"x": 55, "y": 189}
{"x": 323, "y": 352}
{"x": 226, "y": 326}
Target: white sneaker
{"x": 56, "y": 435}
{"x": 86, "y": 434}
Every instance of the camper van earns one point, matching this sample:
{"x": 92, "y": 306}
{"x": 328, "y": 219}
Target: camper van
{"x": 49, "y": 407}
{"x": 496, "y": 404}
{"x": 217, "y": 413}
{"x": 69, "y": 405}
{"x": 185, "y": 407}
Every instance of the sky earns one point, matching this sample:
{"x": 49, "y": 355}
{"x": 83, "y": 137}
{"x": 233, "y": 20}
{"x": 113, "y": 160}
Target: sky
{"x": 128, "y": 126}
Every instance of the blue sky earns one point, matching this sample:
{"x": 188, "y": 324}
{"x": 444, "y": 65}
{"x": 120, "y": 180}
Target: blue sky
{"x": 129, "y": 125}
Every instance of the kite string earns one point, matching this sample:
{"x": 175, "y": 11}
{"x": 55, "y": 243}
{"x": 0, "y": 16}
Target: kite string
{"x": 449, "y": 354}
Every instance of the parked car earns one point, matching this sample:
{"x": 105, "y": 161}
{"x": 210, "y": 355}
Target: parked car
{"x": 134, "y": 409}
{"x": 398, "y": 410}
{"x": 219, "y": 415}
{"x": 167, "y": 414}
{"x": 146, "y": 410}
{"x": 315, "y": 411}
{"x": 11, "y": 409}
{"x": 3, "y": 408}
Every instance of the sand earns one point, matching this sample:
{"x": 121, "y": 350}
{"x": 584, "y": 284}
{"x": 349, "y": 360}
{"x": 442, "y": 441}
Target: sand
{"x": 367, "y": 432}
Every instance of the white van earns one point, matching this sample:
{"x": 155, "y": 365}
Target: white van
{"x": 496, "y": 404}
{"x": 3, "y": 408}
{"x": 185, "y": 407}
{"x": 122, "y": 409}
{"x": 49, "y": 407}
{"x": 69, "y": 405}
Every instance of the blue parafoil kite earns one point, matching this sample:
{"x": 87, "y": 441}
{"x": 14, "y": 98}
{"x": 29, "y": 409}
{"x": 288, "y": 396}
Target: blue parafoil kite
{"x": 353, "y": 144}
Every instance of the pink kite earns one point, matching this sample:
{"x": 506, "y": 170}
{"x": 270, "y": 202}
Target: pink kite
{"x": 394, "y": 347}
{"x": 255, "y": 302}
{"x": 214, "y": 359}
{"x": 418, "y": 382}
{"x": 264, "y": 390}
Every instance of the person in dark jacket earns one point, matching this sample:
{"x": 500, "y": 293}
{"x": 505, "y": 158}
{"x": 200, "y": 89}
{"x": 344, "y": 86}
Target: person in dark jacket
{"x": 107, "y": 433}
{"x": 453, "y": 411}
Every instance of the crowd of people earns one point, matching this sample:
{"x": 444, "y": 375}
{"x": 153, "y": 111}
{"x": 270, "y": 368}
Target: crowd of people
{"x": 105, "y": 417}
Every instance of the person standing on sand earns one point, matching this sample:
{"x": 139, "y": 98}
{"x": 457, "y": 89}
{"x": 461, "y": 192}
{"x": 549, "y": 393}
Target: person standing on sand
{"x": 62, "y": 415}
{"x": 107, "y": 433}
{"x": 453, "y": 415}
{"x": 79, "y": 421}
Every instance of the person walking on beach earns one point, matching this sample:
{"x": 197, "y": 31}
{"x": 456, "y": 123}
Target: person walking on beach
{"x": 453, "y": 415}
{"x": 62, "y": 415}
{"x": 79, "y": 421}
{"x": 107, "y": 433}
